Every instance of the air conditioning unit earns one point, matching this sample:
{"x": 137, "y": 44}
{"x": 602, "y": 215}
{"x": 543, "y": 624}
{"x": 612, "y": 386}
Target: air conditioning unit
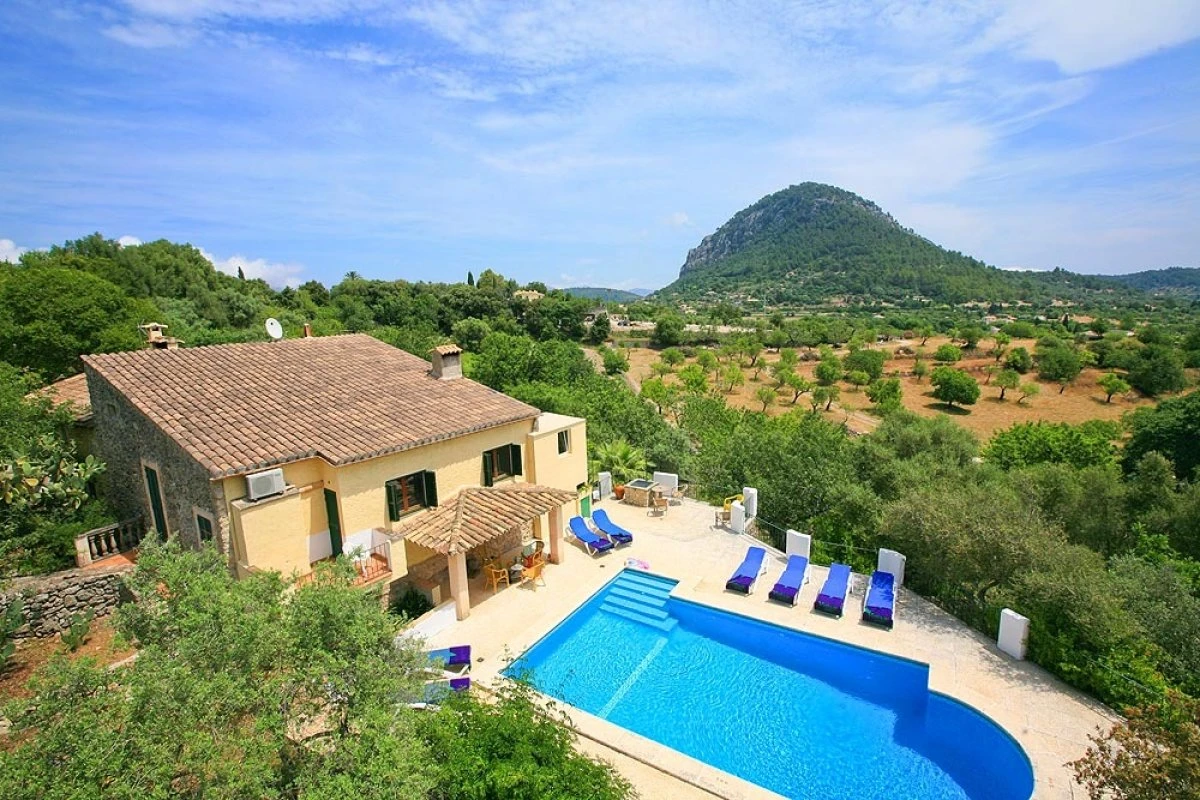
{"x": 265, "y": 484}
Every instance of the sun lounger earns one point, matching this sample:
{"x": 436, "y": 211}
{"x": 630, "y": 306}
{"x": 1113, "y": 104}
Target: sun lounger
{"x": 452, "y": 660}
{"x": 436, "y": 692}
{"x": 794, "y": 576}
{"x": 832, "y": 598}
{"x": 747, "y": 573}
{"x": 879, "y": 606}
{"x": 612, "y": 530}
{"x": 594, "y": 543}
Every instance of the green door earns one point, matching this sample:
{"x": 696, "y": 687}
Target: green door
{"x": 585, "y": 505}
{"x": 156, "y": 503}
{"x": 335, "y": 522}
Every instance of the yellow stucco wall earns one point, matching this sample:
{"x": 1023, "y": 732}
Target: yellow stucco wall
{"x": 458, "y": 464}
{"x": 559, "y": 471}
{"x": 281, "y": 533}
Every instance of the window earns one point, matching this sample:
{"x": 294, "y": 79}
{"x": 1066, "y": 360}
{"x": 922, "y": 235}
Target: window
{"x": 205, "y": 527}
{"x": 564, "y": 442}
{"x": 411, "y": 493}
{"x": 501, "y": 463}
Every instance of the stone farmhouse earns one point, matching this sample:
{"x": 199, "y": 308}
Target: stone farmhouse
{"x": 291, "y": 452}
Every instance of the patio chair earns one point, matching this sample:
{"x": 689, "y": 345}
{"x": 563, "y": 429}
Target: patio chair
{"x": 612, "y": 530}
{"x": 454, "y": 660}
{"x": 532, "y": 575}
{"x": 832, "y": 598}
{"x": 879, "y": 606}
{"x": 794, "y": 576}
{"x": 658, "y": 504}
{"x": 746, "y": 575}
{"x": 497, "y": 575}
{"x": 592, "y": 542}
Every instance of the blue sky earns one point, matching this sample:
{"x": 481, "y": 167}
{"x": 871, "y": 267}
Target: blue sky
{"x": 594, "y": 143}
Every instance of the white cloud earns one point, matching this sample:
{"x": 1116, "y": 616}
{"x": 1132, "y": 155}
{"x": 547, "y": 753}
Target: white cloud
{"x": 1096, "y": 35}
{"x": 273, "y": 10}
{"x": 9, "y": 251}
{"x": 129, "y": 241}
{"x": 149, "y": 35}
{"x": 679, "y": 219}
{"x": 277, "y": 274}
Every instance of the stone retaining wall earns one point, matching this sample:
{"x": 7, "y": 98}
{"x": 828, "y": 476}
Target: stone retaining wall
{"x": 51, "y": 600}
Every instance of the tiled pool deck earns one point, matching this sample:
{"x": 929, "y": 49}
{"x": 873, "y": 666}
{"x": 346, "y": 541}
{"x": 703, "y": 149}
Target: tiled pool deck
{"x": 1048, "y": 718}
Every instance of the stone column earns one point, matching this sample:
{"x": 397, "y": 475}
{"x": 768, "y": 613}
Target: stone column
{"x": 457, "y": 562}
{"x": 556, "y": 535}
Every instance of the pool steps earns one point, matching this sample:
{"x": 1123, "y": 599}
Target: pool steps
{"x": 641, "y": 599}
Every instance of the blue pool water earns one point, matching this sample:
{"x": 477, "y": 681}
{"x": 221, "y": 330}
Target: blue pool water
{"x": 802, "y": 715}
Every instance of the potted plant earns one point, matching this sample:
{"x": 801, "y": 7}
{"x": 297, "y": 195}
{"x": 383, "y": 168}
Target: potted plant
{"x": 623, "y": 460}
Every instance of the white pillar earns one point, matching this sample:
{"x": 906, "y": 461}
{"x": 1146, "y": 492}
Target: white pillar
{"x": 893, "y": 562}
{"x": 458, "y": 585}
{"x": 737, "y": 517}
{"x": 1014, "y": 634}
{"x": 798, "y": 544}
{"x": 750, "y": 500}
{"x": 556, "y": 535}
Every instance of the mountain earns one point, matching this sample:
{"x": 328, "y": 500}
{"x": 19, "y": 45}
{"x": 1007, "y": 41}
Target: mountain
{"x": 1175, "y": 281}
{"x": 603, "y": 295}
{"x": 814, "y": 243}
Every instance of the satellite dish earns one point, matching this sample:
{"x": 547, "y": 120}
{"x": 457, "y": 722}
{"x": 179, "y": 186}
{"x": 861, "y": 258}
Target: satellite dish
{"x": 274, "y": 329}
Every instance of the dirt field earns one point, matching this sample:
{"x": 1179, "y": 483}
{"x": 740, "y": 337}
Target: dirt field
{"x": 33, "y": 653}
{"x": 1081, "y": 401}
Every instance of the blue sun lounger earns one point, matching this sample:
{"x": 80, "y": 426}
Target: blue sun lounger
{"x": 594, "y": 543}
{"x": 794, "y": 576}
{"x": 436, "y": 692}
{"x": 456, "y": 660}
{"x": 832, "y": 598}
{"x": 879, "y": 606}
{"x": 747, "y": 573}
{"x": 612, "y": 530}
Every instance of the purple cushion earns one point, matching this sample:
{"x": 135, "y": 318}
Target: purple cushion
{"x": 784, "y": 591}
{"x": 742, "y": 580}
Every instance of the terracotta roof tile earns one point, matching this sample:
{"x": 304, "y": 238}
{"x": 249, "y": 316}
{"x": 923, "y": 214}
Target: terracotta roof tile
{"x": 72, "y": 390}
{"x": 477, "y": 516}
{"x": 447, "y": 349}
{"x": 241, "y": 407}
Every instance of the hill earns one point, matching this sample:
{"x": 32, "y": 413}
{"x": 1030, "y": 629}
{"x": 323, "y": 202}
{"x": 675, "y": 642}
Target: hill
{"x": 603, "y": 295}
{"x": 814, "y": 243}
{"x": 1173, "y": 281}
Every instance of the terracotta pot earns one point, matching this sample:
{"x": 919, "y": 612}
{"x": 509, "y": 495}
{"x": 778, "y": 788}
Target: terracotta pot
{"x": 619, "y": 491}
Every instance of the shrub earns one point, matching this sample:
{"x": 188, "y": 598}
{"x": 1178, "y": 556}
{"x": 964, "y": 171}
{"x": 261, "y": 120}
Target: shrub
{"x": 10, "y": 622}
{"x": 954, "y": 386}
{"x": 411, "y": 604}
{"x": 77, "y": 632}
{"x": 1019, "y": 359}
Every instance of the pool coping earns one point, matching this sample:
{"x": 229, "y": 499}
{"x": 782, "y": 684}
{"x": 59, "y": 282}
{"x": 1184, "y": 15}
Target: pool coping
{"x": 701, "y": 774}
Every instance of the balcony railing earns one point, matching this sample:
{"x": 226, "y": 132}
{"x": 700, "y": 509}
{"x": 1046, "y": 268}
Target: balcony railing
{"x": 369, "y": 564}
{"x": 110, "y": 540}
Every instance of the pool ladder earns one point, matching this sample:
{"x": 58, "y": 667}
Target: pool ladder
{"x": 640, "y": 598}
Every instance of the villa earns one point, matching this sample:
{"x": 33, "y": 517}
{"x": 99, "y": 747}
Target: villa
{"x": 292, "y": 452}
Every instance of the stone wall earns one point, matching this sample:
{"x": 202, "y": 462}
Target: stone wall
{"x": 51, "y": 600}
{"x": 124, "y": 437}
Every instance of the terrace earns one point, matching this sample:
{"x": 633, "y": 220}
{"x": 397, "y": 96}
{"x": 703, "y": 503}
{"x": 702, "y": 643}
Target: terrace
{"x": 1049, "y": 719}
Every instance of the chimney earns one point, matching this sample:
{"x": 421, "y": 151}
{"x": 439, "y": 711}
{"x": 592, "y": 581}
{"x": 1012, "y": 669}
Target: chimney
{"x": 447, "y": 362}
{"x": 308, "y": 330}
{"x": 155, "y": 337}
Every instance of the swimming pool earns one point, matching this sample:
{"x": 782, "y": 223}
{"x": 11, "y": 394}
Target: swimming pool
{"x": 802, "y": 715}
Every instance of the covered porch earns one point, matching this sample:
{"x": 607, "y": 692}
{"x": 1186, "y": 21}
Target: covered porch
{"x": 473, "y": 522}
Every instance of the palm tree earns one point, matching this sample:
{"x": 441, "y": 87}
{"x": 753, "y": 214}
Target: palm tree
{"x": 622, "y": 459}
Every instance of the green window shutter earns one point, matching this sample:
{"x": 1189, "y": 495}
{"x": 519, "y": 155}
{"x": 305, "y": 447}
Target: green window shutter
{"x": 487, "y": 469}
{"x": 431, "y": 499}
{"x": 335, "y": 523}
{"x": 393, "y": 500}
{"x": 514, "y": 454}
{"x": 205, "y": 528}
